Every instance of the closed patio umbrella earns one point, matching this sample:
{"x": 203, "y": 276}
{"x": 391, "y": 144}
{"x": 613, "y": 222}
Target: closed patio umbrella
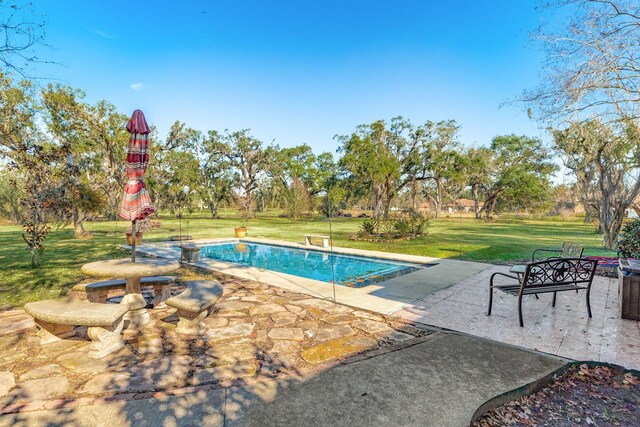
{"x": 136, "y": 202}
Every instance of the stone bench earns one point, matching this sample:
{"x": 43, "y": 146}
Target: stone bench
{"x": 308, "y": 237}
{"x": 99, "y": 291}
{"x": 56, "y": 319}
{"x": 190, "y": 252}
{"x": 194, "y": 304}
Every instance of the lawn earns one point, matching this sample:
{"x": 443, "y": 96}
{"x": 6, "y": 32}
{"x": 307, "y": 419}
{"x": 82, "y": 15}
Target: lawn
{"x": 507, "y": 239}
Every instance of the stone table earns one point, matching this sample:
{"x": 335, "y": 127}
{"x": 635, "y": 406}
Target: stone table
{"x": 132, "y": 273}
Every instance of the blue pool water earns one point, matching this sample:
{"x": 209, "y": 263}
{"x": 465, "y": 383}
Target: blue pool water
{"x": 352, "y": 271}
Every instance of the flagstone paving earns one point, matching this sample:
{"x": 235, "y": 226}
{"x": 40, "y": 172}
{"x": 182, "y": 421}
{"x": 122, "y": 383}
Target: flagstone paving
{"x": 257, "y": 333}
{"x": 261, "y": 335}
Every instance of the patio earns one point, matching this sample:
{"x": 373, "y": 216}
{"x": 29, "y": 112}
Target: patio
{"x": 453, "y": 294}
{"x": 271, "y": 356}
{"x": 271, "y": 350}
{"x": 565, "y": 330}
{"x": 257, "y": 333}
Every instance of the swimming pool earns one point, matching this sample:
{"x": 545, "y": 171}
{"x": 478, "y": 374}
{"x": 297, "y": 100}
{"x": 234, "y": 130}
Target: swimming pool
{"x": 348, "y": 270}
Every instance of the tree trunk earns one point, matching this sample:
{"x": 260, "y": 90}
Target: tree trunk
{"x": 378, "y": 207}
{"x": 610, "y": 221}
{"x": 437, "y": 199}
{"x": 389, "y": 195}
{"x": 414, "y": 195}
{"x": 214, "y": 209}
{"x": 78, "y": 225}
{"x": 248, "y": 202}
{"x": 489, "y": 206}
{"x": 476, "y": 202}
{"x": 34, "y": 238}
{"x": 610, "y": 228}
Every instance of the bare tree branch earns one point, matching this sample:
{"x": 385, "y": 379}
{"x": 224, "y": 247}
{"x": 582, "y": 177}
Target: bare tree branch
{"x": 592, "y": 66}
{"x": 21, "y": 35}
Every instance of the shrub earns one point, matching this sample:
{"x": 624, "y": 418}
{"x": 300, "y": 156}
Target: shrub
{"x": 368, "y": 227}
{"x": 296, "y": 200}
{"x": 419, "y": 223}
{"x": 629, "y": 240}
{"x": 387, "y": 229}
{"x": 402, "y": 226}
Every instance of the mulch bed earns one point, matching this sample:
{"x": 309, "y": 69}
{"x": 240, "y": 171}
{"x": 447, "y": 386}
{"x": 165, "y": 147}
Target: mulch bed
{"x": 379, "y": 239}
{"x": 582, "y": 396}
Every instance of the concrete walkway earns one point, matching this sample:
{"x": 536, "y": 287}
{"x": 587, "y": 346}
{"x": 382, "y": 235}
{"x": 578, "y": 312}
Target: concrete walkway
{"x": 440, "y": 382}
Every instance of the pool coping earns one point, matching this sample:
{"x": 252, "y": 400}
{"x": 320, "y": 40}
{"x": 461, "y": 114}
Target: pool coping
{"x": 412, "y": 266}
{"x": 386, "y": 297}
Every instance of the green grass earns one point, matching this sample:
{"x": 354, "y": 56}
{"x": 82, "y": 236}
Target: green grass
{"x": 506, "y": 239}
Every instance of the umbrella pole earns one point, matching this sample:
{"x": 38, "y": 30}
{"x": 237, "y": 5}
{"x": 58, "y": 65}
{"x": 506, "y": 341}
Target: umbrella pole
{"x": 133, "y": 241}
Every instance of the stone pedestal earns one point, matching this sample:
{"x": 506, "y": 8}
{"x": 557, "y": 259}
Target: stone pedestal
{"x": 190, "y": 253}
{"x": 161, "y": 293}
{"x": 106, "y": 340}
{"x": 137, "y": 316}
{"x": 191, "y": 323}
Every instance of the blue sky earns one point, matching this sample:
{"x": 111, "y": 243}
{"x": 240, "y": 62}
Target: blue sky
{"x": 301, "y": 71}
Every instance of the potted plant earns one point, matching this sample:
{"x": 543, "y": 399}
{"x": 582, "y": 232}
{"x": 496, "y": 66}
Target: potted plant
{"x": 241, "y": 231}
{"x": 130, "y": 238}
{"x": 141, "y": 226}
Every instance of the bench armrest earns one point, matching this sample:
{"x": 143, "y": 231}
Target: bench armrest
{"x": 533, "y": 255}
{"x": 502, "y": 274}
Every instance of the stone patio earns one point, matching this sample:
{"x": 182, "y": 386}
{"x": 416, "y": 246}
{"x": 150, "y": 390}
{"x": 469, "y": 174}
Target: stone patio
{"x": 565, "y": 330}
{"x": 257, "y": 333}
{"x": 453, "y": 294}
{"x": 263, "y": 340}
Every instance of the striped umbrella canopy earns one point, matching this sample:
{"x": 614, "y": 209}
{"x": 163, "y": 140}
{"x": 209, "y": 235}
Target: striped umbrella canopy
{"x": 136, "y": 202}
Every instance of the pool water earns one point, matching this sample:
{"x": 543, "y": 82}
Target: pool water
{"x": 351, "y": 271}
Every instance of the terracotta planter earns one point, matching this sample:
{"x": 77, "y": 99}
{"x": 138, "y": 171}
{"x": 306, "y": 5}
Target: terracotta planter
{"x": 138, "y": 238}
{"x": 240, "y": 232}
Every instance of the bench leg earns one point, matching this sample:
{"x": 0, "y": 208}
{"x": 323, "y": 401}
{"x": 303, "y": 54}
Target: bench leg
{"x": 553, "y": 304}
{"x": 325, "y": 243}
{"x": 520, "y": 310}
{"x": 161, "y": 293}
{"x": 190, "y": 323}
{"x": 307, "y": 241}
{"x": 490, "y": 294}
{"x": 105, "y": 340}
{"x": 98, "y": 296}
{"x": 52, "y": 332}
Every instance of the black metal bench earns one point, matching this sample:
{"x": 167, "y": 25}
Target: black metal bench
{"x": 552, "y": 275}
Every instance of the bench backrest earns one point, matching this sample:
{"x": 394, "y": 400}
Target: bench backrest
{"x": 559, "y": 271}
{"x": 571, "y": 250}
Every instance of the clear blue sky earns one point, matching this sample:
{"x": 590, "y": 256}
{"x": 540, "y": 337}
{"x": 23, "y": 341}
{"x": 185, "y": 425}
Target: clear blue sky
{"x": 301, "y": 71}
